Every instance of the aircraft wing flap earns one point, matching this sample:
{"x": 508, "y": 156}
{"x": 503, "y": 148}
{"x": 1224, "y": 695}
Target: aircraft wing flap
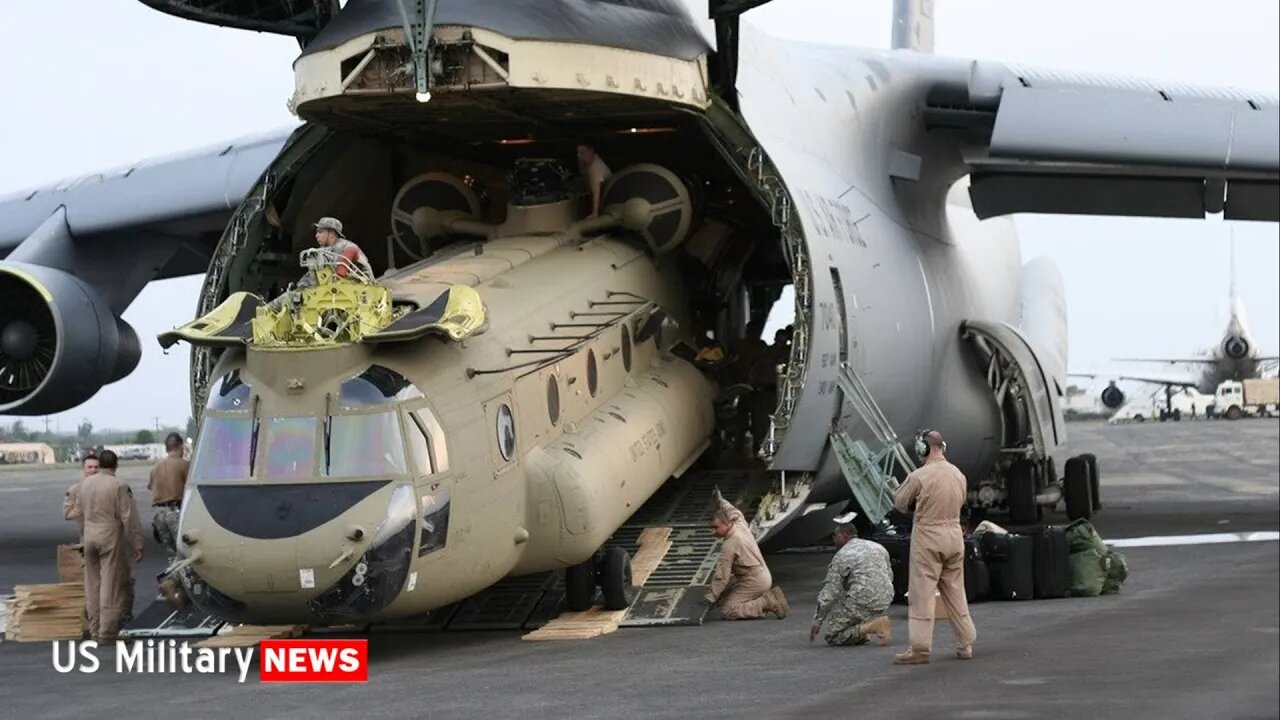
{"x": 1108, "y": 127}
{"x": 1053, "y": 142}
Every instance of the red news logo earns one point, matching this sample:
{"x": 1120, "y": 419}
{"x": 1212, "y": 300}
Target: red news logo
{"x": 326, "y": 661}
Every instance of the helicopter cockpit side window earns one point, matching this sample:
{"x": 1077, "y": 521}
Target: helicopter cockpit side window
{"x": 231, "y": 394}
{"x": 427, "y": 442}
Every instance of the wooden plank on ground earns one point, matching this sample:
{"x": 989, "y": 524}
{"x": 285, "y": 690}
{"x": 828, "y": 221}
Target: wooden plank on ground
{"x": 594, "y": 622}
{"x": 248, "y": 635}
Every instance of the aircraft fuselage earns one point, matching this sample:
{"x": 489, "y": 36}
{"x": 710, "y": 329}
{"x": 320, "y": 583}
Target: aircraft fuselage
{"x": 500, "y": 459}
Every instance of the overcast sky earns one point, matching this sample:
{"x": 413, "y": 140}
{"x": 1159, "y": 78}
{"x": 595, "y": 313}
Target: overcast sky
{"x": 91, "y": 84}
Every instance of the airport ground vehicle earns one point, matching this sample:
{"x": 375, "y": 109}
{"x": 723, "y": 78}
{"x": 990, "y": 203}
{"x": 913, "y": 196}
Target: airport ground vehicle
{"x": 1257, "y": 397}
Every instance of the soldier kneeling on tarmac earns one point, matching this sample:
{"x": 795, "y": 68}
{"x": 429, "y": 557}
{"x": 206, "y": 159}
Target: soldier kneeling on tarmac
{"x": 857, "y": 591}
{"x": 741, "y": 583}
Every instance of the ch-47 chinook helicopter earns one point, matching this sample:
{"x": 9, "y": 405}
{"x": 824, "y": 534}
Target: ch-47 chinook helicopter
{"x": 514, "y": 383}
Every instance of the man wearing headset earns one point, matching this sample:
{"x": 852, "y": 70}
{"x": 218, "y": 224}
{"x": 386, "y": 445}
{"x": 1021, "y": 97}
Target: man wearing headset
{"x": 937, "y": 490}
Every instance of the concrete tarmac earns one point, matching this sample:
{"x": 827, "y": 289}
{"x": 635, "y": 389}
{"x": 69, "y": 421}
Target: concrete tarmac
{"x": 1193, "y": 634}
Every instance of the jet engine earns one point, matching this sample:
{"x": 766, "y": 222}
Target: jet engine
{"x": 59, "y": 341}
{"x": 1235, "y": 347}
{"x": 1112, "y": 396}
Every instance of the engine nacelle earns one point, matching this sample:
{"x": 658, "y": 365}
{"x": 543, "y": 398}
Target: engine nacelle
{"x": 1235, "y": 347}
{"x": 59, "y": 342}
{"x": 1112, "y": 396}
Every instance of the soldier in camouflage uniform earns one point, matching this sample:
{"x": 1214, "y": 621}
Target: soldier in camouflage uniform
{"x": 345, "y": 255}
{"x": 857, "y": 591}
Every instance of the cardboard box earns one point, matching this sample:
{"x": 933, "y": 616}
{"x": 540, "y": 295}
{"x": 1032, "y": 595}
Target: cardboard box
{"x": 71, "y": 563}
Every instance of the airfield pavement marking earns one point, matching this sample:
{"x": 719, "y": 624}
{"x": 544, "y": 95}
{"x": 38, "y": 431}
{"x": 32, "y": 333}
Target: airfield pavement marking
{"x": 1141, "y": 480}
{"x": 1204, "y": 539}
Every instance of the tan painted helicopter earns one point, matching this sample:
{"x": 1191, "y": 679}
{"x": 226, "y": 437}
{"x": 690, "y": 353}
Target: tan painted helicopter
{"x": 359, "y": 458}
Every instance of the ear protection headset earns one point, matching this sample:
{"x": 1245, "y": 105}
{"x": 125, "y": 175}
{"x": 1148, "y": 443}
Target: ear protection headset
{"x": 922, "y": 443}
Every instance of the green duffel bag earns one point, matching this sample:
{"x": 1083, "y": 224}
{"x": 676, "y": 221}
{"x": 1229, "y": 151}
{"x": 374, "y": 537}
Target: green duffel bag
{"x": 1117, "y": 573}
{"x": 1089, "y": 572}
{"x": 1081, "y": 536}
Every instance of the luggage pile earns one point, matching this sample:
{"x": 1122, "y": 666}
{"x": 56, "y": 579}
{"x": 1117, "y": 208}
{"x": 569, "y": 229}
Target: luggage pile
{"x": 1095, "y": 568}
{"x": 1036, "y": 563}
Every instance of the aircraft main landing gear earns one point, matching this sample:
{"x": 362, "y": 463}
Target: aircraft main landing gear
{"x": 610, "y": 570}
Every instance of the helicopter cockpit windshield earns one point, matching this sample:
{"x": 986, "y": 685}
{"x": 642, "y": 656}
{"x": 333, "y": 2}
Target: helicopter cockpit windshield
{"x": 358, "y": 435}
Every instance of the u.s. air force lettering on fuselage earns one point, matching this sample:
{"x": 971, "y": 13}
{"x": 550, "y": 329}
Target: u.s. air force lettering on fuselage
{"x": 832, "y": 219}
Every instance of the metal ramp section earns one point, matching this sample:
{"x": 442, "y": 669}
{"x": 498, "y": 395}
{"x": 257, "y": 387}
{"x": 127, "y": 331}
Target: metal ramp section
{"x": 669, "y": 597}
{"x": 672, "y": 593}
{"x": 869, "y": 472}
{"x": 159, "y": 620}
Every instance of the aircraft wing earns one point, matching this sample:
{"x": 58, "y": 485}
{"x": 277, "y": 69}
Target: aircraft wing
{"x": 187, "y": 198}
{"x": 1045, "y": 141}
{"x": 1175, "y": 380}
{"x": 1173, "y": 361}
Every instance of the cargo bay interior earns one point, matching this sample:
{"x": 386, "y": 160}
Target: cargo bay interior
{"x": 367, "y": 169}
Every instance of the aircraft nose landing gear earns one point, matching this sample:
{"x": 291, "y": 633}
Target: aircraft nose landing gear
{"x": 610, "y": 570}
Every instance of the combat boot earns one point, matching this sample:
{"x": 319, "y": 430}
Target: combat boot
{"x": 777, "y": 602}
{"x": 911, "y": 657}
{"x": 880, "y": 628}
{"x": 174, "y": 596}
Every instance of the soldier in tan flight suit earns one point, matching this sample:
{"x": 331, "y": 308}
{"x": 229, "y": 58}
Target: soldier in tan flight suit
{"x": 69, "y": 511}
{"x": 741, "y": 583}
{"x": 112, "y": 538}
{"x": 938, "y": 490}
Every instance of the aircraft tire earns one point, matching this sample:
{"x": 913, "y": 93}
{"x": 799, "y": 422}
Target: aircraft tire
{"x": 615, "y": 579}
{"x": 1020, "y": 485}
{"x": 1177, "y": 415}
{"x": 1076, "y": 489}
{"x": 1095, "y": 481}
{"x": 579, "y": 586}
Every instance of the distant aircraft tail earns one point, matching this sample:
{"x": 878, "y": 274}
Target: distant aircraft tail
{"x": 913, "y": 25}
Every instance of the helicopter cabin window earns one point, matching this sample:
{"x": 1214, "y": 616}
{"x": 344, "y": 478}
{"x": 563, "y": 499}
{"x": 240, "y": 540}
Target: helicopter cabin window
{"x": 593, "y": 373}
{"x": 505, "y": 430}
{"x": 361, "y": 445}
{"x": 553, "y": 399}
{"x": 291, "y": 448}
{"x": 375, "y": 386}
{"x": 427, "y": 443}
{"x": 626, "y": 348}
{"x": 225, "y": 450}
{"x": 231, "y": 394}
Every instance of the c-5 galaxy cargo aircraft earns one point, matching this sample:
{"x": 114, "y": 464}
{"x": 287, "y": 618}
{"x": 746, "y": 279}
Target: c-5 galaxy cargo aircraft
{"x": 520, "y": 376}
